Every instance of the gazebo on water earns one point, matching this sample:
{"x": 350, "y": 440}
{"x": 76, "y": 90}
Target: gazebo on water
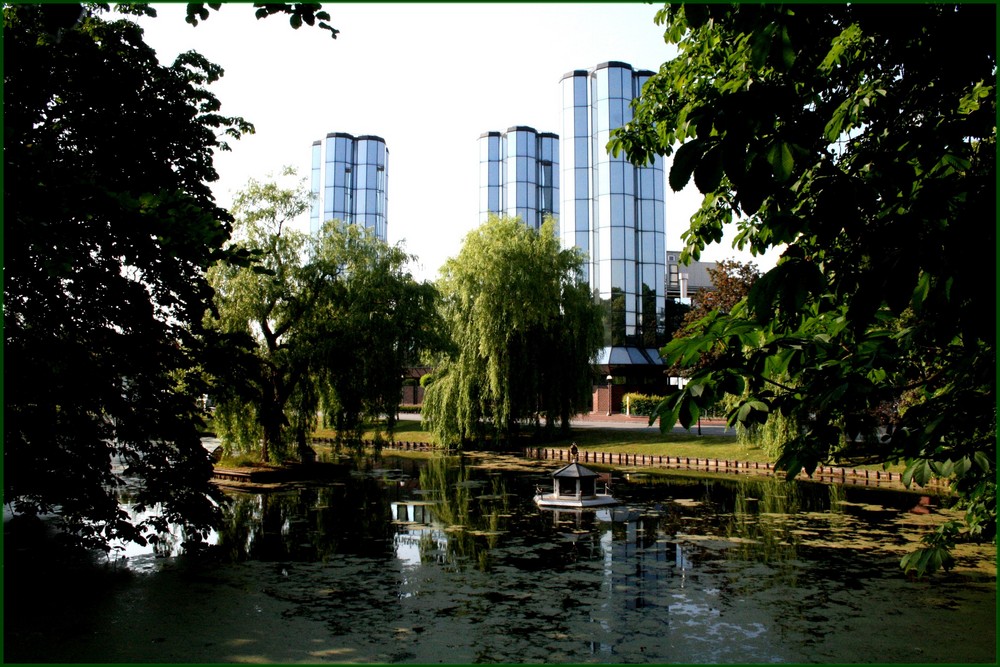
{"x": 574, "y": 485}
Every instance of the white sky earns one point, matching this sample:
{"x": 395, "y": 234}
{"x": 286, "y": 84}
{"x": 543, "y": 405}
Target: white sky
{"x": 429, "y": 79}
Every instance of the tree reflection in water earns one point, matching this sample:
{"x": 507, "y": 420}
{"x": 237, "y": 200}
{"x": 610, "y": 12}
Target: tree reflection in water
{"x": 309, "y": 524}
{"x": 467, "y": 516}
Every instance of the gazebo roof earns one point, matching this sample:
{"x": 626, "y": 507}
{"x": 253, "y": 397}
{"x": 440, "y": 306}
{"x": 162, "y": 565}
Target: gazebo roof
{"x": 575, "y": 470}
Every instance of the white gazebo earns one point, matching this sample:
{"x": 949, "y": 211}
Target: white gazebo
{"x": 575, "y": 486}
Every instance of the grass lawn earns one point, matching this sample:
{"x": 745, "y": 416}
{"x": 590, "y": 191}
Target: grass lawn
{"x": 613, "y": 441}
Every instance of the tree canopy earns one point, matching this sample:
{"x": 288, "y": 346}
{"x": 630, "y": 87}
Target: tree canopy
{"x": 524, "y": 330}
{"x": 109, "y": 225}
{"x": 731, "y": 282}
{"x": 326, "y": 322}
{"x": 866, "y": 146}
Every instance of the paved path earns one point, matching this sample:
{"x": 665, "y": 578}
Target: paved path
{"x": 625, "y": 422}
{"x": 708, "y": 426}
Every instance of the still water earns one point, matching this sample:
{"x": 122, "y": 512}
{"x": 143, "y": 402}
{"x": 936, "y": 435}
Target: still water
{"x": 449, "y": 560}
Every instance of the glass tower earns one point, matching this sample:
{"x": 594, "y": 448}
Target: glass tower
{"x": 519, "y": 175}
{"x": 348, "y": 182}
{"x": 612, "y": 210}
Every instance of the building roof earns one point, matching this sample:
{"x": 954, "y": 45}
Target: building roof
{"x": 574, "y": 470}
{"x": 628, "y": 356}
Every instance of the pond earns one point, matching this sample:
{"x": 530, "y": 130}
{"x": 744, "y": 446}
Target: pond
{"x": 449, "y": 560}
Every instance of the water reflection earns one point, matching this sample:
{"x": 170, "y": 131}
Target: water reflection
{"x": 449, "y": 559}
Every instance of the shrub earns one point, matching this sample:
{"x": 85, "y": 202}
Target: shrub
{"x": 641, "y": 404}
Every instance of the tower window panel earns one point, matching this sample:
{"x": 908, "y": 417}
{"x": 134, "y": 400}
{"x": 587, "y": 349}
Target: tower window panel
{"x": 582, "y": 241}
{"x": 549, "y": 151}
{"x": 618, "y": 210}
{"x": 615, "y": 116}
{"x": 618, "y": 275}
{"x": 648, "y": 252}
{"x": 646, "y": 214}
{"x": 626, "y": 110}
{"x": 580, "y": 91}
{"x": 582, "y": 215}
{"x": 604, "y": 241}
{"x": 604, "y": 219}
{"x": 601, "y": 145}
{"x": 648, "y": 276}
{"x": 581, "y": 178}
{"x": 617, "y": 177}
{"x": 629, "y": 181}
{"x": 603, "y": 180}
{"x": 341, "y": 153}
{"x": 602, "y": 84}
{"x": 628, "y": 212}
{"x": 604, "y": 279}
{"x": 615, "y": 81}
{"x": 580, "y": 152}
{"x": 645, "y": 183}
{"x": 617, "y": 242}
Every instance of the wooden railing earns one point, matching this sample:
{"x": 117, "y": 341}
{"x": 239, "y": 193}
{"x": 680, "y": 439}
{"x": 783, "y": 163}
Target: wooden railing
{"x": 829, "y": 474}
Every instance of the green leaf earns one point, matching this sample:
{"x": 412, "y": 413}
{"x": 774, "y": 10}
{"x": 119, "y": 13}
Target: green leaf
{"x": 921, "y": 291}
{"x": 761, "y": 47}
{"x": 919, "y": 471}
{"x": 779, "y": 156}
{"x": 787, "y": 52}
{"x": 835, "y": 126}
{"x": 685, "y": 160}
{"x": 708, "y": 172}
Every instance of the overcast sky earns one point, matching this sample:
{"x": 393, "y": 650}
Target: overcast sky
{"x": 428, "y": 78}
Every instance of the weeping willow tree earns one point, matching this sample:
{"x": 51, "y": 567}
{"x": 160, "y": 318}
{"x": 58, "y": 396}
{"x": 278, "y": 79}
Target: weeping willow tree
{"x": 524, "y": 330}
{"x": 324, "y": 322}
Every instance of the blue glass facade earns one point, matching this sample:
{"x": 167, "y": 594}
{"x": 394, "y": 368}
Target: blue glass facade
{"x": 349, "y": 182}
{"x": 519, "y": 175}
{"x": 611, "y": 209}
